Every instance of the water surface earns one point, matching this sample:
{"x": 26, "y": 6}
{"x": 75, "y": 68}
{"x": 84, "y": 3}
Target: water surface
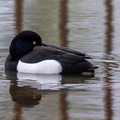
{"x": 88, "y": 26}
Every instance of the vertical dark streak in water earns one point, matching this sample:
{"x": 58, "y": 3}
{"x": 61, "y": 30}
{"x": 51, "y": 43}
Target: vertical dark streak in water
{"x": 63, "y": 23}
{"x": 109, "y": 27}
{"x": 108, "y": 94}
{"x": 18, "y": 15}
{"x": 63, "y": 105}
{"x": 63, "y": 42}
{"x": 17, "y": 110}
{"x": 108, "y": 69}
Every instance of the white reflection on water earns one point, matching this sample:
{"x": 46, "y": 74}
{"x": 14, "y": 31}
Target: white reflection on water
{"x": 53, "y": 82}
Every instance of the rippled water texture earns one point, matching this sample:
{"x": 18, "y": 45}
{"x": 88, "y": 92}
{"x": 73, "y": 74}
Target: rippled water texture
{"x": 89, "y": 26}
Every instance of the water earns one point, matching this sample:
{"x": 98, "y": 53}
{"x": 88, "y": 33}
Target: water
{"x": 88, "y": 26}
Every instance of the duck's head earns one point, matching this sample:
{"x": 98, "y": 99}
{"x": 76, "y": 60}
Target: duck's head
{"x": 24, "y": 43}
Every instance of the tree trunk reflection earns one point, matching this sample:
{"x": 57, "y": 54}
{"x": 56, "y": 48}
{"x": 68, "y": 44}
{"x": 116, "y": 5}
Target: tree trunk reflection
{"x": 63, "y": 23}
{"x": 18, "y": 15}
{"x": 108, "y": 69}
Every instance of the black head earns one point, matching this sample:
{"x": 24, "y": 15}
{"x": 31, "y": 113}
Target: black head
{"x": 24, "y": 43}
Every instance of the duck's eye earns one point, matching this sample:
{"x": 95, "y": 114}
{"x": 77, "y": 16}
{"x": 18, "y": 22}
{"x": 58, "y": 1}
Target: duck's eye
{"x": 34, "y": 42}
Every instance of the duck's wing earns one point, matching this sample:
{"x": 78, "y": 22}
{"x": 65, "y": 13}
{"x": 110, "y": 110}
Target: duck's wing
{"x": 69, "y": 50}
{"x": 47, "y": 52}
{"x": 70, "y": 62}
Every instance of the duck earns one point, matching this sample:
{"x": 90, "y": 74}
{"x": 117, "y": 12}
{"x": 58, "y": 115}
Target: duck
{"x": 28, "y": 54}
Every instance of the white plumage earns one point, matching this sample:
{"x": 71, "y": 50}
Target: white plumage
{"x": 44, "y": 67}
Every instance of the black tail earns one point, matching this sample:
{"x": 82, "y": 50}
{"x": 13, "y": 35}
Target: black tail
{"x": 92, "y": 69}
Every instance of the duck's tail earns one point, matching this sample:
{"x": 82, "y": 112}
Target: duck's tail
{"x": 90, "y": 71}
{"x": 93, "y": 68}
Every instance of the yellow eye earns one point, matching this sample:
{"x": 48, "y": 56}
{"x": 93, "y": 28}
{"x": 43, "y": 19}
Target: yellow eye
{"x": 34, "y": 42}
{"x": 34, "y": 96}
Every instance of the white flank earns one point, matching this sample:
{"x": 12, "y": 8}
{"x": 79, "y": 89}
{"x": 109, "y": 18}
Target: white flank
{"x": 44, "y": 67}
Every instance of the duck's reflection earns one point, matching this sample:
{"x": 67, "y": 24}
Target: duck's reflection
{"x": 45, "y": 82}
{"x": 25, "y": 96}
{"x": 41, "y": 82}
{"x": 22, "y": 95}
{"x": 26, "y": 90}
